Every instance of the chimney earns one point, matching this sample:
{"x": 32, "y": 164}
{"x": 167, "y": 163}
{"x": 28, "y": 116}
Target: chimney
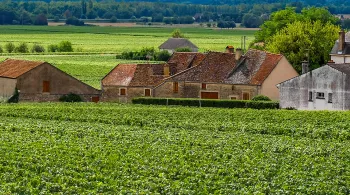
{"x": 341, "y": 42}
{"x": 238, "y": 53}
{"x": 230, "y": 49}
{"x": 305, "y": 67}
{"x": 166, "y": 70}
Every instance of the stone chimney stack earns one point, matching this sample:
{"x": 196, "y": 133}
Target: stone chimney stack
{"x": 166, "y": 70}
{"x": 341, "y": 43}
{"x": 230, "y": 49}
{"x": 305, "y": 67}
{"x": 238, "y": 53}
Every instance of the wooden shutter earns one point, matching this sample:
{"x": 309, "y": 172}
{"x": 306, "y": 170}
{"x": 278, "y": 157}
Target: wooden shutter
{"x": 175, "y": 87}
{"x": 204, "y": 86}
{"x": 123, "y": 91}
{"x": 46, "y": 86}
{"x": 147, "y": 92}
{"x": 246, "y": 96}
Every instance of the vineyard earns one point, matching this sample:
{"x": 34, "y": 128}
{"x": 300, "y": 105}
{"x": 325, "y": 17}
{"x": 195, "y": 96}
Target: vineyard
{"x": 112, "y": 148}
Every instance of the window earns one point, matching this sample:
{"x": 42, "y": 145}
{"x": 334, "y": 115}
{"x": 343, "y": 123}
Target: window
{"x": 204, "y": 86}
{"x": 95, "y": 99}
{"x": 233, "y": 98}
{"x": 175, "y": 87}
{"x": 46, "y": 86}
{"x": 330, "y": 97}
{"x": 310, "y": 95}
{"x": 319, "y": 95}
{"x": 122, "y": 91}
{"x": 246, "y": 96}
{"x": 147, "y": 92}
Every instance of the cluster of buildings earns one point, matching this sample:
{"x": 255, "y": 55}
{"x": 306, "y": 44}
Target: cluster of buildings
{"x": 213, "y": 75}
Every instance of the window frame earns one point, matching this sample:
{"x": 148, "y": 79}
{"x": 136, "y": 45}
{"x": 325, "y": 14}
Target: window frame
{"x": 150, "y": 92}
{"x": 46, "y": 87}
{"x": 204, "y": 86}
{"x": 320, "y": 95}
{"x": 175, "y": 87}
{"x": 245, "y": 92}
{"x": 311, "y": 96}
{"x": 120, "y": 91}
{"x": 330, "y": 98}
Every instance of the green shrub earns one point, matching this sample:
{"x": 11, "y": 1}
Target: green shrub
{"x": 183, "y": 49}
{"x": 163, "y": 56}
{"x": 208, "y": 103}
{"x": 56, "y": 19}
{"x": 14, "y": 98}
{"x": 52, "y": 48}
{"x": 70, "y": 98}
{"x": 261, "y": 98}
{"x": 22, "y": 48}
{"x": 10, "y": 47}
{"x": 65, "y": 46}
{"x": 113, "y": 19}
{"x": 37, "y": 48}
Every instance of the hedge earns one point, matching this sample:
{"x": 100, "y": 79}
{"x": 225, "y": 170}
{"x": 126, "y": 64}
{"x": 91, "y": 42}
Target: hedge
{"x": 208, "y": 103}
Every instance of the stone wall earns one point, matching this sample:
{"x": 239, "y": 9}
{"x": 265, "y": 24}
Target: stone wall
{"x": 295, "y": 92}
{"x": 112, "y": 93}
{"x": 193, "y": 90}
{"x": 7, "y": 88}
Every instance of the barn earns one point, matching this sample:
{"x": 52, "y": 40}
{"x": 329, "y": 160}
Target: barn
{"x": 40, "y": 82}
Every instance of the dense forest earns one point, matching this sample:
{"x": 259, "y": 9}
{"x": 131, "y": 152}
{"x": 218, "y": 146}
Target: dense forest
{"x": 250, "y": 14}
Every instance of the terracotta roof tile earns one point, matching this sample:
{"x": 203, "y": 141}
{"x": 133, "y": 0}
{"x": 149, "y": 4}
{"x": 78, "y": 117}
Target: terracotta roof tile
{"x": 254, "y": 68}
{"x": 11, "y": 68}
{"x": 180, "y": 61}
{"x": 215, "y": 67}
{"x": 135, "y": 75}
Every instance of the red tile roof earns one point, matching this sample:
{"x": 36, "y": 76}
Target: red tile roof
{"x": 252, "y": 69}
{"x": 215, "y": 67}
{"x": 255, "y": 67}
{"x": 180, "y": 61}
{"x": 11, "y": 68}
{"x": 134, "y": 75}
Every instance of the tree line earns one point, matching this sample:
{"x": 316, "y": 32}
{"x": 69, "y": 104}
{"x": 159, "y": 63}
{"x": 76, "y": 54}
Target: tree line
{"x": 250, "y": 14}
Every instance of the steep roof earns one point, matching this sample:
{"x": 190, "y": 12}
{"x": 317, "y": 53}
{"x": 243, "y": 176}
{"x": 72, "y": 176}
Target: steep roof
{"x": 174, "y": 43}
{"x": 135, "y": 75}
{"x": 344, "y": 68}
{"x": 184, "y": 60}
{"x": 215, "y": 67}
{"x": 12, "y": 68}
{"x": 346, "y": 46}
{"x": 254, "y": 68}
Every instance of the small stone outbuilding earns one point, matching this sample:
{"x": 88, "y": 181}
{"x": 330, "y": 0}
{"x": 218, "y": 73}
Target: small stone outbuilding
{"x": 40, "y": 81}
{"x": 174, "y": 43}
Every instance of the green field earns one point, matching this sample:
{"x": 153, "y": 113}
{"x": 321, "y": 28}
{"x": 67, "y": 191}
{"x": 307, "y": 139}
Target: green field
{"x": 99, "y": 44}
{"x": 91, "y": 148}
{"x": 119, "y": 39}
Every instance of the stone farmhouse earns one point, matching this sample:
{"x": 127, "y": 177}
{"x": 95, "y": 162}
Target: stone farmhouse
{"x": 229, "y": 76}
{"x": 127, "y": 81}
{"x": 174, "y": 43}
{"x": 325, "y": 88}
{"x": 40, "y": 81}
